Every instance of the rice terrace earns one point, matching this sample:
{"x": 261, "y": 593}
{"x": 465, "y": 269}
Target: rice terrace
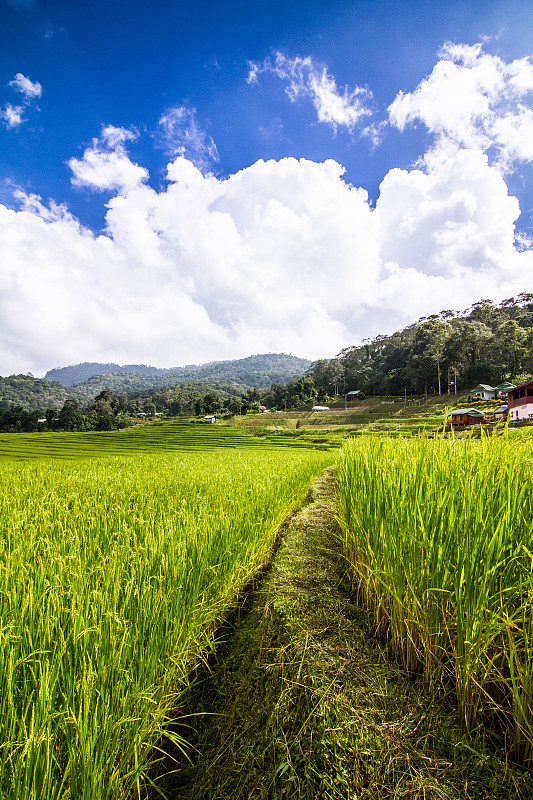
{"x": 138, "y": 614}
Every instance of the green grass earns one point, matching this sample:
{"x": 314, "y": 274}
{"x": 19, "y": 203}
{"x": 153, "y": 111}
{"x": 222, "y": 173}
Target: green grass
{"x": 438, "y": 533}
{"x": 114, "y": 574}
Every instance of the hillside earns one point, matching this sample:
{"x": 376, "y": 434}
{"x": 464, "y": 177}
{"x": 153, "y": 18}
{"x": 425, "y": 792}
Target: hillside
{"x": 68, "y": 376}
{"x": 182, "y": 385}
{"x": 254, "y": 372}
{"x": 32, "y": 394}
{"x": 452, "y": 350}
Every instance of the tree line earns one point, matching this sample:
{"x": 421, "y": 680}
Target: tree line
{"x": 450, "y": 351}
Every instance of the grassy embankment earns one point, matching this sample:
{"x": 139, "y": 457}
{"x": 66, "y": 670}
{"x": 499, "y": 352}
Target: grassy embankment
{"x": 115, "y": 573}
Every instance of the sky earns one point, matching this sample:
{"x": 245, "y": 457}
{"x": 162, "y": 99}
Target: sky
{"x": 186, "y": 181}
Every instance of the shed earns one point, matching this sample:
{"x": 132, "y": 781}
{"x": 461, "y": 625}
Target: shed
{"x": 320, "y": 408}
{"x": 210, "y": 418}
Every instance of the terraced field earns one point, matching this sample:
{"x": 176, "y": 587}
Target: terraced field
{"x": 166, "y": 437}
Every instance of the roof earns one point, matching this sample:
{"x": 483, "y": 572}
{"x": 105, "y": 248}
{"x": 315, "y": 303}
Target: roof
{"x": 485, "y": 387}
{"x": 506, "y": 385}
{"x": 501, "y": 409}
{"x": 523, "y": 385}
{"x": 471, "y": 411}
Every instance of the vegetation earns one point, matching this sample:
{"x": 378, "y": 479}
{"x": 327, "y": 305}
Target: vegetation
{"x": 437, "y": 533}
{"x": 164, "y": 438}
{"x": 114, "y": 575}
{"x": 116, "y": 572}
{"x": 31, "y": 393}
{"x": 485, "y": 343}
{"x": 299, "y": 701}
{"x": 246, "y": 373}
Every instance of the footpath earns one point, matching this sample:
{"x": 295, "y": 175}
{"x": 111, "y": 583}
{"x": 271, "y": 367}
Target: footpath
{"x": 300, "y": 701}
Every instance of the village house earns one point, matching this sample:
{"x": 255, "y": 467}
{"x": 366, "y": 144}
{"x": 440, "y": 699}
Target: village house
{"x": 485, "y": 392}
{"x": 520, "y": 402}
{"x": 466, "y": 416}
{"x": 502, "y": 411}
{"x": 504, "y": 388}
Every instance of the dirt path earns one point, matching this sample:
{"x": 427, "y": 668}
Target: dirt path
{"x": 300, "y": 701}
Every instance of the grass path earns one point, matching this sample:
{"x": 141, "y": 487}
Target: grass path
{"x": 300, "y": 701}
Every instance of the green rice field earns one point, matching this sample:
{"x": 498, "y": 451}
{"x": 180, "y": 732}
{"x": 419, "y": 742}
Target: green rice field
{"x": 163, "y": 437}
{"x": 439, "y": 534}
{"x": 114, "y": 575}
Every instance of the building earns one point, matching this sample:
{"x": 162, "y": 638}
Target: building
{"x": 520, "y": 402}
{"x": 485, "y": 392}
{"x": 320, "y": 408}
{"x": 210, "y": 418}
{"x": 504, "y": 388}
{"x": 466, "y": 416}
{"x": 502, "y": 411}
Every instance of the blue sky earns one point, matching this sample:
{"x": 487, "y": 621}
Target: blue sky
{"x": 189, "y": 181}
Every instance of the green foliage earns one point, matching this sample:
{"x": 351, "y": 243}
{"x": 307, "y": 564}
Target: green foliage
{"x": 31, "y": 394}
{"x": 241, "y": 374}
{"x": 486, "y": 343}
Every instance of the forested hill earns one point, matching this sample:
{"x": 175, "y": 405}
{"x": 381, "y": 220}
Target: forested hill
{"x": 487, "y": 343}
{"x": 234, "y": 377}
{"x": 68, "y": 376}
{"x": 31, "y": 393}
{"x": 258, "y": 372}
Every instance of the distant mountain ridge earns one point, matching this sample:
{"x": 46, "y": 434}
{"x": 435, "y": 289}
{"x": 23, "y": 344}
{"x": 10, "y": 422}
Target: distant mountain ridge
{"x": 257, "y": 371}
{"x": 68, "y": 376}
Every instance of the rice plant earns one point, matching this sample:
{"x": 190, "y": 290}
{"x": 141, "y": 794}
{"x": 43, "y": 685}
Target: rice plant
{"x": 114, "y": 574}
{"x": 438, "y": 533}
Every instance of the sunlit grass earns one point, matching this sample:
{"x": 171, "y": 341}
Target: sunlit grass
{"x": 113, "y": 576}
{"x": 438, "y": 533}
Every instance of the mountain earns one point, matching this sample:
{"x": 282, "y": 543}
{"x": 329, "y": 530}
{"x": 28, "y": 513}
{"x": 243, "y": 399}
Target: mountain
{"x": 254, "y": 372}
{"x": 68, "y": 376}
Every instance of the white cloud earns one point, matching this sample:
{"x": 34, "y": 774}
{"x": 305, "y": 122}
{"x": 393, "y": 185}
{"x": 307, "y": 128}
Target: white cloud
{"x": 475, "y": 100}
{"x": 12, "y": 115}
{"x": 281, "y": 256}
{"x": 30, "y": 90}
{"x": 304, "y": 78}
{"x": 181, "y": 135}
{"x": 106, "y": 164}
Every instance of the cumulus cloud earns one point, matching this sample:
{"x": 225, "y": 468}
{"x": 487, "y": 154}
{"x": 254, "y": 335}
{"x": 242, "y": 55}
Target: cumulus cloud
{"x": 106, "y": 165}
{"x": 339, "y": 108}
{"x": 281, "y": 256}
{"x": 180, "y": 134}
{"x": 12, "y": 115}
{"x": 474, "y": 100}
